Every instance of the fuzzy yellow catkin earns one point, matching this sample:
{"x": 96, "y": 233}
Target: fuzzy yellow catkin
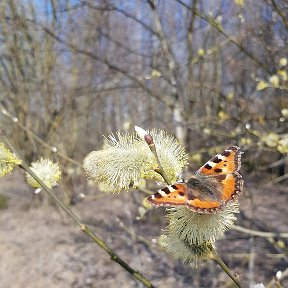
{"x": 125, "y": 159}
{"x": 7, "y": 160}
{"x": 48, "y": 171}
{"x": 189, "y": 236}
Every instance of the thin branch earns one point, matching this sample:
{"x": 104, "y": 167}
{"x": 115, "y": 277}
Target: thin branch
{"x": 121, "y": 11}
{"x": 260, "y": 233}
{"x": 275, "y": 282}
{"x": 278, "y": 179}
{"x": 133, "y": 234}
{"x": 167, "y": 100}
{"x": 277, "y": 163}
{"x": 166, "y": 47}
{"x": 121, "y": 45}
{"x": 15, "y": 120}
{"x": 280, "y": 12}
{"x": 124, "y": 12}
{"x": 101, "y": 243}
{"x": 215, "y": 49}
{"x": 128, "y": 15}
{"x": 211, "y": 21}
{"x": 190, "y": 32}
{"x": 149, "y": 140}
{"x": 224, "y": 267}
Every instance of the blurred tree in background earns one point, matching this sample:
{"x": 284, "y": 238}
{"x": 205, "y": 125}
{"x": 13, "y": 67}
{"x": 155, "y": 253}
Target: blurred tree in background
{"x": 73, "y": 70}
{"x": 212, "y": 73}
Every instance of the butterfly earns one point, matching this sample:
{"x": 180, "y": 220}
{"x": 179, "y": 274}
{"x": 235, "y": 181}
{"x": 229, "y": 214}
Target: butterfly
{"x": 215, "y": 184}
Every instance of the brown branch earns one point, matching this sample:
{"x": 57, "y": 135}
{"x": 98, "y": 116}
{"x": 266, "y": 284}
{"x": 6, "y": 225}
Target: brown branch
{"x": 101, "y": 243}
{"x": 260, "y": 233}
{"x": 167, "y": 100}
{"x": 123, "y": 12}
{"x": 211, "y": 21}
{"x": 224, "y": 267}
{"x": 121, "y": 45}
{"x": 190, "y": 41}
{"x": 157, "y": 31}
{"x": 280, "y": 12}
{"x": 166, "y": 47}
{"x": 275, "y": 282}
{"x": 149, "y": 140}
{"x": 35, "y": 137}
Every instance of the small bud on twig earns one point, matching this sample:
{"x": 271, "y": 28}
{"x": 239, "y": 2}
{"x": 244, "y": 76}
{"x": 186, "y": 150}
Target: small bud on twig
{"x": 149, "y": 140}
{"x": 141, "y": 132}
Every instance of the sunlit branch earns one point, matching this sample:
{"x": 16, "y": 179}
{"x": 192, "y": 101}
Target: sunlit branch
{"x": 220, "y": 29}
{"x": 101, "y": 243}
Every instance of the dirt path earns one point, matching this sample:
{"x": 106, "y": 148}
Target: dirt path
{"x": 41, "y": 247}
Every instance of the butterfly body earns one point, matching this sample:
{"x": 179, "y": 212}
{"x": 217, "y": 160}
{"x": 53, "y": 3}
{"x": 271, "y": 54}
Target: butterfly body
{"x": 215, "y": 184}
{"x": 204, "y": 189}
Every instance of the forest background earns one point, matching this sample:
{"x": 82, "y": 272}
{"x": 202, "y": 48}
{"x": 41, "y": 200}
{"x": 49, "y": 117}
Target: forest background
{"x": 212, "y": 73}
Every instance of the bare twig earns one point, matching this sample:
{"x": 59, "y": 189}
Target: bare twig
{"x": 167, "y": 100}
{"x": 212, "y": 22}
{"x": 224, "y": 267}
{"x": 251, "y": 261}
{"x": 280, "y": 12}
{"x": 279, "y": 179}
{"x": 133, "y": 234}
{"x": 260, "y": 233}
{"x": 275, "y": 282}
{"x": 278, "y": 162}
{"x": 15, "y": 120}
{"x": 149, "y": 140}
{"x": 101, "y": 243}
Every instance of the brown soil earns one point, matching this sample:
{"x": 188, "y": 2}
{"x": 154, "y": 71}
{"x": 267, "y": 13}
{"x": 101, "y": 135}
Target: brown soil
{"x": 41, "y": 247}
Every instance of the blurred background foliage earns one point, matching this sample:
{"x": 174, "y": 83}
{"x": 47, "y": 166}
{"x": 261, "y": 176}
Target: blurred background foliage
{"x": 211, "y": 73}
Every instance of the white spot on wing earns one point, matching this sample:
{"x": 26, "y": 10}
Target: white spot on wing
{"x": 221, "y": 157}
{"x": 171, "y": 189}
{"x": 162, "y": 193}
{"x": 212, "y": 164}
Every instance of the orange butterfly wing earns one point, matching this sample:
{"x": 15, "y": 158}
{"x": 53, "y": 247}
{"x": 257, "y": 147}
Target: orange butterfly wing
{"x": 232, "y": 186}
{"x": 222, "y": 168}
{"x": 226, "y": 162}
{"x": 172, "y": 195}
{"x": 225, "y": 167}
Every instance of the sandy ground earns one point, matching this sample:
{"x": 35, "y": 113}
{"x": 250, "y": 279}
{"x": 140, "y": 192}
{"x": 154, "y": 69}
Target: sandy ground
{"x": 41, "y": 247}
